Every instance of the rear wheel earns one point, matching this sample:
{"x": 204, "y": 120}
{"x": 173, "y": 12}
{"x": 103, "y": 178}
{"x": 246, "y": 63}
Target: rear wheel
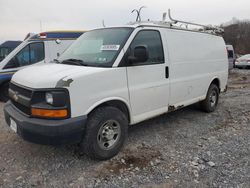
{"x": 4, "y": 92}
{"x": 106, "y": 131}
{"x": 212, "y": 98}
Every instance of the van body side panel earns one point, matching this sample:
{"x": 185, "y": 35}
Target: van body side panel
{"x": 196, "y": 59}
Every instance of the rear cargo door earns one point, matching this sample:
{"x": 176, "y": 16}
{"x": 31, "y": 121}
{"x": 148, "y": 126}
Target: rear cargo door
{"x": 148, "y": 82}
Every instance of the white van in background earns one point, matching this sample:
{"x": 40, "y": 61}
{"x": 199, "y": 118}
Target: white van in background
{"x": 231, "y": 56}
{"x": 114, "y": 77}
{"x": 42, "y": 47}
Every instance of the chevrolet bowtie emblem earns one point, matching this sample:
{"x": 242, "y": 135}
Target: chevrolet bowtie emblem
{"x": 15, "y": 96}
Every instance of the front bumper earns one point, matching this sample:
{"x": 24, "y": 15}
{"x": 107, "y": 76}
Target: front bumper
{"x": 46, "y": 131}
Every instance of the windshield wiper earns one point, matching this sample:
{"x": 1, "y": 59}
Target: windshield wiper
{"x": 74, "y": 62}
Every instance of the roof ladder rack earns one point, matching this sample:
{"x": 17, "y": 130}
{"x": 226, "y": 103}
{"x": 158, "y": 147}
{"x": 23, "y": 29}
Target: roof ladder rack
{"x": 216, "y": 30}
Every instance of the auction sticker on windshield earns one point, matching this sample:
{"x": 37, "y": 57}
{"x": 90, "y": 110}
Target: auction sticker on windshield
{"x": 13, "y": 125}
{"x": 110, "y": 47}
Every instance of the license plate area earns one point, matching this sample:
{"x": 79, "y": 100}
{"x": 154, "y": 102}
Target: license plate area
{"x": 13, "y": 125}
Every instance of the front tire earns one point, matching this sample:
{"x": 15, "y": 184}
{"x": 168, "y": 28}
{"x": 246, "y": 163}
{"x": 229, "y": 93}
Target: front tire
{"x": 105, "y": 133}
{"x": 212, "y": 98}
{"x": 4, "y": 92}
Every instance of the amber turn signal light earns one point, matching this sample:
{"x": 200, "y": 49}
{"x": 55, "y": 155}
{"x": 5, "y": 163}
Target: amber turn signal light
{"x": 49, "y": 113}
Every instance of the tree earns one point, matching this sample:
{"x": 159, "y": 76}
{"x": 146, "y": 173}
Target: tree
{"x": 238, "y": 35}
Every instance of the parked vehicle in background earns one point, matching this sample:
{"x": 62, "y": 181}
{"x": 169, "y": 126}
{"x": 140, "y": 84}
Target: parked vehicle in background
{"x": 231, "y": 56}
{"x": 7, "y": 47}
{"x": 111, "y": 78}
{"x": 38, "y": 48}
{"x": 243, "y": 61}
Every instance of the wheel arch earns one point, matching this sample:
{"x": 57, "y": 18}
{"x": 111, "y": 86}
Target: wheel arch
{"x": 216, "y": 81}
{"x": 119, "y": 103}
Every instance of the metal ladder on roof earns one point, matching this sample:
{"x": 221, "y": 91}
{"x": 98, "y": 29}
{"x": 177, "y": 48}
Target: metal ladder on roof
{"x": 204, "y": 28}
{"x": 173, "y": 24}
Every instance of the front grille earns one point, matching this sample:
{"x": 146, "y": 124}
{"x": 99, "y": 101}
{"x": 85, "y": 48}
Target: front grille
{"x": 21, "y": 107}
{"x": 20, "y": 91}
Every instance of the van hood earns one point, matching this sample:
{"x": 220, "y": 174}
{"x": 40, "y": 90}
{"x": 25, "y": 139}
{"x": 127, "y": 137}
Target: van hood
{"x": 49, "y": 75}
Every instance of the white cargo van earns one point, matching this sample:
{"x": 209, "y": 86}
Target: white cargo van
{"x": 114, "y": 77}
{"x": 38, "y": 48}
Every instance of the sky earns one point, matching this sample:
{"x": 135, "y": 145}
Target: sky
{"x": 19, "y": 17}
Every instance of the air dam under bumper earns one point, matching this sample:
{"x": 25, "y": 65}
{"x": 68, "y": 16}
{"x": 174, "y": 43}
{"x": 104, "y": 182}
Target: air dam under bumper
{"x": 46, "y": 131}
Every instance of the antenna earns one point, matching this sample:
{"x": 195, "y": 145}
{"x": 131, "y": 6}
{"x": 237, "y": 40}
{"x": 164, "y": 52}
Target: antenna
{"x": 138, "y": 18}
{"x": 164, "y": 16}
{"x": 103, "y": 24}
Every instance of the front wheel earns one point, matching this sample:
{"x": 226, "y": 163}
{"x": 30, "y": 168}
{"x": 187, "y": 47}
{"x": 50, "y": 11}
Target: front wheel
{"x": 212, "y": 98}
{"x": 4, "y": 92}
{"x": 105, "y": 133}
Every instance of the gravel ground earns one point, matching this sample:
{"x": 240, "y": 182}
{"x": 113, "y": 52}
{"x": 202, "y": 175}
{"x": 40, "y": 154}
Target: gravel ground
{"x": 186, "y": 148}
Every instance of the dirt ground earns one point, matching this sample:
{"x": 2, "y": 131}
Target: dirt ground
{"x": 186, "y": 148}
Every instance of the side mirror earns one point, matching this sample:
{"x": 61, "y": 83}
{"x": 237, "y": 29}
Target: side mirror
{"x": 140, "y": 55}
{"x": 58, "y": 41}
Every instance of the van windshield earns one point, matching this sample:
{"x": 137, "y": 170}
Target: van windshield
{"x": 97, "y": 47}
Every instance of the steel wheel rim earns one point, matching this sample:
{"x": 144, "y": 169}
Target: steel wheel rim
{"x": 109, "y": 134}
{"x": 213, "y": 98}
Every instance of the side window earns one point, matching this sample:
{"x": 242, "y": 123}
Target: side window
{"x": 30, "y": 54}
{"x": 23, "y": 57}
{"x": 36, "y": 52}
{"x": 152, "y": 40}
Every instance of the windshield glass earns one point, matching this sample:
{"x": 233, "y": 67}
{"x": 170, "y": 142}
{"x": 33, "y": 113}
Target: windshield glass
{"x": 98, "y": 47}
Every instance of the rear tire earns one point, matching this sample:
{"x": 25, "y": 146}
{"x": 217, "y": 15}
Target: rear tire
{"x": 105, "y": 134}
{"x": 4, "y": 92}
{"x": 212, "y": 98}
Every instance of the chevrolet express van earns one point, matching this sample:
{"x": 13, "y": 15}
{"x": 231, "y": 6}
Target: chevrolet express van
{"x": 111, "y": 78}
{"x": 38, "y": 48}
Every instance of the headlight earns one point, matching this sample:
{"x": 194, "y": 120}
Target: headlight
{"x": 56, "y": 98}
{"x": 53, "y": 104}
{"x": 49, "y": 98}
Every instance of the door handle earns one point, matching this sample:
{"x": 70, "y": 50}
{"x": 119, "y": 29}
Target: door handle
{"x": 166, "y": 72}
